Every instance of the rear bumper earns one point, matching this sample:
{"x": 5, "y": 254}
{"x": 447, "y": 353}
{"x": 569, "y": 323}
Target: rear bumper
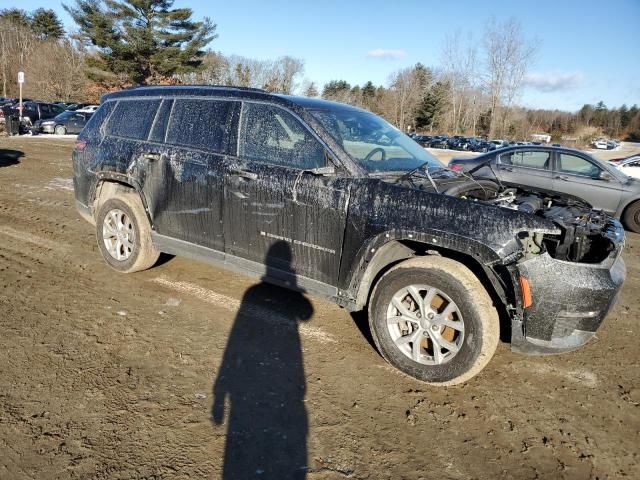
{"x": 570, "y": 302}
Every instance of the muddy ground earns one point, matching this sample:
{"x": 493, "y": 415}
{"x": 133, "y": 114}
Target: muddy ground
{"x": 104, "y": 375}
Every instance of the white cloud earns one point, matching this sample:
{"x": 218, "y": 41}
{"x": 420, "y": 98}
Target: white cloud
{"x": 386, "y": 53}
{"x": 553, "y": 81}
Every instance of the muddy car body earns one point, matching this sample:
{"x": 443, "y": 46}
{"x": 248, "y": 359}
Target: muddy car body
{"x": 368, "y": 218}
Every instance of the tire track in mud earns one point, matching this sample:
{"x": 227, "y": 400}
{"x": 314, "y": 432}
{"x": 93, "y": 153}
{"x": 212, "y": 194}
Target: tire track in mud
{"x": 233, "y": 305}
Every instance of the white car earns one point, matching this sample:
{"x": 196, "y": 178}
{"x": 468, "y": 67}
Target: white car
{"x": 88, "y": 109}
{"x": 629, "y": 165}
{"x": 601, "y": 144}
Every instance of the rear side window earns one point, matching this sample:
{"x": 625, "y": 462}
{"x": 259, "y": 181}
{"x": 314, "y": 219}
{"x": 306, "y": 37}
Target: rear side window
{"x": 200, "y": 123}
{"x": 92, "y": 131}
{"x": 272, "y": 135}
{"x": 133, "y": 118}
{"x": 529, "y": 159}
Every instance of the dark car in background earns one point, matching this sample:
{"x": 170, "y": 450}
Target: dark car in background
{"x": 562, "y": 170}
{"x": 34, "y": 111}
{"x": 331, "y": 199}
{"x": 66, "y": 122}
{"x": 439, "y": 141}
{"x": 423, "y": 140}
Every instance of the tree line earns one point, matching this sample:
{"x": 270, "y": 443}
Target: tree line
{"x": 473, "y": 90}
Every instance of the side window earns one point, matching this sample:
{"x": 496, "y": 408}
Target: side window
{"x": 133, "y": 118}
{"x": 577, "y": 166}
{"x": 93, "y": 130}
{"x": 272, "y": 135}
{"x": 528, "y": 159}
{"x": 200, "y": 123}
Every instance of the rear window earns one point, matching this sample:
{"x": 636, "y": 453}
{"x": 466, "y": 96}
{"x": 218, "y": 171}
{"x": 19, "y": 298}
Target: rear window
{"x": 200, "y": 123}
{"x": 133, "y": 118}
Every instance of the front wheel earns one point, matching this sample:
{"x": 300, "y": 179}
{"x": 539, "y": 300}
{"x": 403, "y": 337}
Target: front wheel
{"x": 431, "y": 318}
{"x": 60, "y": 130}
{"x": 124, "y": 235}
{"x": 631, "y": 217}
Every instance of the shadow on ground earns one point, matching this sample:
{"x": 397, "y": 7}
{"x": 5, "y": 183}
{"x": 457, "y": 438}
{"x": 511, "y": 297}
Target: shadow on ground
{"x": 10, "y": 157}
{"x": 260, "y": 385}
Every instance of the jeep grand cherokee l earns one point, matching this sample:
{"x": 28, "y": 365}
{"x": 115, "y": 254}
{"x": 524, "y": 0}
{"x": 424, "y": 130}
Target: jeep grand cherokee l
{"x": 373, "y": 222}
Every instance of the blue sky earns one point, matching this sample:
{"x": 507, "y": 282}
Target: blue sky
{"x": 588, "y": 50}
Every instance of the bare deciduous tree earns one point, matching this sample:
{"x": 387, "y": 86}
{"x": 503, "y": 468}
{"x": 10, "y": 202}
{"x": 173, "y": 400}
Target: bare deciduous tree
{"x": 507, "y": 55}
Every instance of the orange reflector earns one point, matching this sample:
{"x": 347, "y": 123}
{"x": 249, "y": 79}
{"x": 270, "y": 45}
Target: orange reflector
{"x": 527, "y": 300}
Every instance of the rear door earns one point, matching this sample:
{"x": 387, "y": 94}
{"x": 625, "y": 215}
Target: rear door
{"x": 183, "y": 168}
{"x": 276, "y": 211}
{"x": 579, "y": 176}
{"x": 526, "y": 167}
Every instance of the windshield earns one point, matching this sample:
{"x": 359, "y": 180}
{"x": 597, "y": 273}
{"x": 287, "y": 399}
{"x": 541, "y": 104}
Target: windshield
{"x": 373, "y": 143}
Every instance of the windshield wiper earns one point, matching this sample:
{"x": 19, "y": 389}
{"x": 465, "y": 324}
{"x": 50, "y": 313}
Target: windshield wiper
{"x": 410, "y": 173}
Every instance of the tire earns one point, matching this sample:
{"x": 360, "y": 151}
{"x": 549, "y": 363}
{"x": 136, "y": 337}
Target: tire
{"x": 60, "y": 130}
{"x": 125, "y": 214}
{"x": 631, "y": 217}
{"x": 473, "y": 313}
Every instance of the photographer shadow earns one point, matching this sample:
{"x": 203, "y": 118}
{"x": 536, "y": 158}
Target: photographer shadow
{"x": 262, "y": 381}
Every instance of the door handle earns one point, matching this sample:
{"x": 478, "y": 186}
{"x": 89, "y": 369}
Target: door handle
{"x": 244, "y": 174}
{"x": 151, "y": 156}
{"x": 562, "y": 177}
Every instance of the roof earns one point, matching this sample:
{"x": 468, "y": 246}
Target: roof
{"x": 232, "y": 92}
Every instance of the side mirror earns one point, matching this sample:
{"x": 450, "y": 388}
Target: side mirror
{"x": 604, "y": 175}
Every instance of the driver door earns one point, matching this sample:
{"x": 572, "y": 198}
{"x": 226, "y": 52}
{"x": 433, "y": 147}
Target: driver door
{"x": 272, "y": 195}
{"x": 580, "y": 177}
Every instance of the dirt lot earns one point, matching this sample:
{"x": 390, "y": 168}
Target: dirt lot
{"x": 104, "y": 375}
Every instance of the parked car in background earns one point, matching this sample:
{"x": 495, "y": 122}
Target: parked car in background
{"x": 75, "y": 106}
{"x": 500, "y": 143}
{"x": 66, "y": 122}
{"x": 479, "y": 145}
{"x": 455, "y": 142}
{"x": 88, "y": 109}
{"x": 629, "y": 165}
{"x": 563, "y": 170}
{"x": 439, "y": 141}
{"x": 286, "y": 189}
{"x": 602, "y": 145}
{"x": 34, "y": 111}
{"x": 423, "y": 140}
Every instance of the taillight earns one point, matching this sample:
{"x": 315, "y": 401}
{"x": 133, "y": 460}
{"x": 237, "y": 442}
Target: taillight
{"x": 456, "y": 167}
{"x": 80, "y": 145}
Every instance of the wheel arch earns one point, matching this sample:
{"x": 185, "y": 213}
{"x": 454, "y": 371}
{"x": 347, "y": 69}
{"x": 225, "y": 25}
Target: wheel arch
{"x": 109, "y": 185}
{"x": 623, "y": 209}
{"x": 388, "y": 249}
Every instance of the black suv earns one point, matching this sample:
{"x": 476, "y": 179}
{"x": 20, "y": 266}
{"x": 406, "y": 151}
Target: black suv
{"x": 333, "y": 200}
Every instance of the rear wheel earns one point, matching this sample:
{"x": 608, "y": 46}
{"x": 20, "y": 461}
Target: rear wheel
{"x": 631, "y": 217}
{"x": 124, "y": 234}
{"x": 431, "y": 318}
{"x": 60, "y": 130}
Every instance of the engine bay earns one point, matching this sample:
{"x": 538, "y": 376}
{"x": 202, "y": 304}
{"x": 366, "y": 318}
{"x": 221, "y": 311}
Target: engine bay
{"x": 584, "y": 230}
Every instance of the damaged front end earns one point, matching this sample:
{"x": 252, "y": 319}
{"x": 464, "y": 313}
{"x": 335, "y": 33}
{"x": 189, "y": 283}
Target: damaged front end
{"x": 568, "y": 280}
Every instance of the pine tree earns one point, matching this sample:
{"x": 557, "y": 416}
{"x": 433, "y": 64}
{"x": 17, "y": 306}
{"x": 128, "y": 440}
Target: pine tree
{"x": 311, "y": 90}
{"x": 16, "y": 16}
{"x": 46, "y": 24}
{"x": 140, "y": 41}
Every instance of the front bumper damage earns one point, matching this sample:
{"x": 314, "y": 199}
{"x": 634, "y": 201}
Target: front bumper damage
{"x": 570, "y": 301}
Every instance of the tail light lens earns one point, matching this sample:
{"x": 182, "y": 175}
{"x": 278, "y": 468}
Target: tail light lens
{"x": 456, "y": 167}
{"x": 80, "y": 145}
